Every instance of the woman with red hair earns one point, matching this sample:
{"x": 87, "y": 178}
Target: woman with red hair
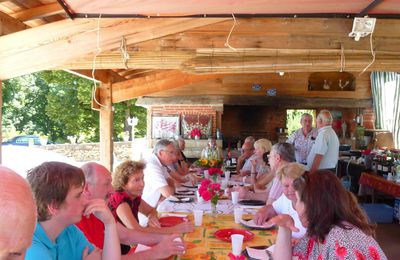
{"x": 337, "y": 228}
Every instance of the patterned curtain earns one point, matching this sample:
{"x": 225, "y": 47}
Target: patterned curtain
{"x": 386, "y": 98}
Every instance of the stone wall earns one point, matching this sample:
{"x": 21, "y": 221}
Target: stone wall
{"x": 90, "y": 151}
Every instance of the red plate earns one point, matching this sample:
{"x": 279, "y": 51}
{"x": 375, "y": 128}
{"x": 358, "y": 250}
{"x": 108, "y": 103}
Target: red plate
{"x": 170, "y": 221}
{"x": 225, "y": 234}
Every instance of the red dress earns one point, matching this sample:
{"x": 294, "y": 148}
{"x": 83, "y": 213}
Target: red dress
{"x": 115, "y": 200}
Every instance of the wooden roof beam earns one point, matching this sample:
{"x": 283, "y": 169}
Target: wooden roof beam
{"x": 104, "y": 76}
{"x": 9, "y": 24}
{"x": 38, "y": 12}
{"x": 54, "y": 44}
{"x": 156, "y": 82}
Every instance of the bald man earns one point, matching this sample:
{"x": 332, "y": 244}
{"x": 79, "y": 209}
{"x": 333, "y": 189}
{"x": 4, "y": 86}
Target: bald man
{"x": 98, "y": 186}
{"x": 17, "y": 215}
{"x": 325, "y": 152}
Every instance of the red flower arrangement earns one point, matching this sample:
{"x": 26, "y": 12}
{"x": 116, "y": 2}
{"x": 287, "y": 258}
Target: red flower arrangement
{"x": 210, "y": 191}
{"x": 195, "y": 132}
{"x": 215, "y": 171}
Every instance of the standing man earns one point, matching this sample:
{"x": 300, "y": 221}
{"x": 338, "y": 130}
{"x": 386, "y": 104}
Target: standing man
{"x": 17, "y": 215}
{"x": 303, "y": 138}
{"x": 98, "y": 186}
{"x": 325, "y": 152}
{"x": 58, "y": 189}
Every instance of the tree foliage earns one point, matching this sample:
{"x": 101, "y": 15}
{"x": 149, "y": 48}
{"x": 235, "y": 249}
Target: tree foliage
{"x": 58, "y": 104}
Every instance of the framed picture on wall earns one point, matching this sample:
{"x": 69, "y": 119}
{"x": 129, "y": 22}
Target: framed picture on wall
{"x": 165, "y": 126}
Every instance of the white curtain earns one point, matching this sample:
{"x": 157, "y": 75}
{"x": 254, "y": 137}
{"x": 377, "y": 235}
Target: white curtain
{"x": 386, "y": 99}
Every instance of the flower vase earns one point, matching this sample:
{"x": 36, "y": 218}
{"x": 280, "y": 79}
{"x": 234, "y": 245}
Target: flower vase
{"x": 214, "y": 211}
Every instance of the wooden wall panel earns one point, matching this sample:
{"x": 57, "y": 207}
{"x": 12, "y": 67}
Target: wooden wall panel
{"x": 289, "y": 85}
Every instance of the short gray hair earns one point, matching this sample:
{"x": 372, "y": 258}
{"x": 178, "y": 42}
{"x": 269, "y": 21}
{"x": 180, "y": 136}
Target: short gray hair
{"x": 250, "y": 139}
{"x": 285, "y": 151}
{"x": 325, "y": 116}
{"x": 162, "y": 145}
{"x": 306, "y": 115}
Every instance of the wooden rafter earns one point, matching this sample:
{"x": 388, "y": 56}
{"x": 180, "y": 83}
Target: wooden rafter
{"x": 38, "y": 12}
{"x": 10, "y": 25}
{"x": 156, "y": 82}
{"x": 222, "y": 60}
{"x": 54, "y": 44}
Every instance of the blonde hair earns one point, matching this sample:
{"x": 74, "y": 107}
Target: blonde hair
{"x": 263, "y": 144}
{"x": 125, "y": 170}
{"x": 292, "y": 170}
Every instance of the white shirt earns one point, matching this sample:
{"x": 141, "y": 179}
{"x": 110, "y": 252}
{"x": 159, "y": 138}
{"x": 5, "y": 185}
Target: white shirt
{"x": 247, "y": 163}
{"x": 327, "y": 145}
{"x": 284, "y": 206}
{"x": 155, "y": 177}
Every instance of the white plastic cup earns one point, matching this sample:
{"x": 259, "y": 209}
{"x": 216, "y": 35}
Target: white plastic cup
{"x": 238, "y": 212}
{"x": 227, "y": 175}
{"x": 198, "y": 217}
{"x": 199, "y": 198}
{"x": 235, "y": 197}
{"x": 224, "y": 184}
{"x": 237, "y": 243}
{"x": 206, "y": 174}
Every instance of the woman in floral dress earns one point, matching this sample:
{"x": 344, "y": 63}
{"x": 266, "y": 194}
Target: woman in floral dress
{"x": 337, "y": 228}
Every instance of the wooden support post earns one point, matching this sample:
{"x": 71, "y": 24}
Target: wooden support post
{"x": 106, "y": 126}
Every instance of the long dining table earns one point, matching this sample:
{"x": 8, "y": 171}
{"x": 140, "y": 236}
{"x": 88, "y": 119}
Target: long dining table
{"x": 202, "y": 243}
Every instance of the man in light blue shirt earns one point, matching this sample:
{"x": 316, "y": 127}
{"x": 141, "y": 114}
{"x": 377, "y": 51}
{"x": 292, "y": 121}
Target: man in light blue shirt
{"x": 325, "y": 152}
{"x": 58, "y": 189}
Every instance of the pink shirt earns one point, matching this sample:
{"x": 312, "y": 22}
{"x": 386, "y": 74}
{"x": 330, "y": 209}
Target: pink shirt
{"x": 276, "y": 190}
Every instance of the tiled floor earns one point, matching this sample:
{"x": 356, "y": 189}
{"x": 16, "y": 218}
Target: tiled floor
{"x": 388, "y": 236}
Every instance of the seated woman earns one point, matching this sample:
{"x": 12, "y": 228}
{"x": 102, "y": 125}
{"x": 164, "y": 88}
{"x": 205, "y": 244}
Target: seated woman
{"x": 256, "y": 165}
{"x": 125, "y": 203}
{"x": 337, "y": 228}
{"x": 286, "y": 202}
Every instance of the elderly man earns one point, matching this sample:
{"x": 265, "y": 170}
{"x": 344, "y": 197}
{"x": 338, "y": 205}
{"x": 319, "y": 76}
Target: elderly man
{"x": 98, "y": 186}
{"x": 303, "y": 138}
{"x": 158, "y": 182}
{"x": 243, "y": 166}
{"x": 280, "y": 155}
{"x": 58, "y": 189}
{"x": 17, "y": 217}
{"x": 325, "y": 152}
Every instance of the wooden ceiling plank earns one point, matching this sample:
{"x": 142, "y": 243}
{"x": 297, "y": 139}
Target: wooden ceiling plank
{"x": 54, "y": 44}
{"x": 39, "y": 12}
{"x": 10, "y": 25}
{"x": 156, "y": 82}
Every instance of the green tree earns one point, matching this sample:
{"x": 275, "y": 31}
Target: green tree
{"x": 58, "y": 104}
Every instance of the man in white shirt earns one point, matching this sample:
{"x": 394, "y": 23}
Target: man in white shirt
{"x": 325, "y": 152}
{"x": 158, "y": 183}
